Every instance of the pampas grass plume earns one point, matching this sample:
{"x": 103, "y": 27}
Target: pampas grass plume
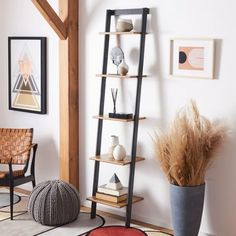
{"x": 186, "y": 150}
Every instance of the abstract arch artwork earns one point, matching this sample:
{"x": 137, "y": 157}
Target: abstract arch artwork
{"x": 192, "y": 58}
{"x": 27, "y": 74}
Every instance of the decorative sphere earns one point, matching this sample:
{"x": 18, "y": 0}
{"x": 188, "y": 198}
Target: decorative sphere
{"x": 119, "y": 153}
{"x": 54, "y": 203}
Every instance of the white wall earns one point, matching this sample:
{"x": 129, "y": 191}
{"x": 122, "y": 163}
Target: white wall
{"x": 161, "y": 97}
{"x": 21, "y": 18}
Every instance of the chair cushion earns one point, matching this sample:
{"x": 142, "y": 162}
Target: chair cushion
{"x": 16, "y": 173}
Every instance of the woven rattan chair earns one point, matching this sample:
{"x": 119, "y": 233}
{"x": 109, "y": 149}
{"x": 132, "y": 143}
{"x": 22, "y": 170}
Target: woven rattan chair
{"x": 15, "y": 151}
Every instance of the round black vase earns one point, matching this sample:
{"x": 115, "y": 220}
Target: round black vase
{"x": 186, "y": 209}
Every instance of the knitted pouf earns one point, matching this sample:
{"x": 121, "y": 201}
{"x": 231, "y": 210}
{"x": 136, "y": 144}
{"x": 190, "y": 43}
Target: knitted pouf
{"x": 54, "y": 203}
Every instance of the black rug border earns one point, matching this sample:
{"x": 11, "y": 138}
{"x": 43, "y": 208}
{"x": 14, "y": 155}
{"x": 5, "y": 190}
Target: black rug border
{"x": 85, "y": 233}
{"x": 14, "y": 216}
{"x": 109, "y": 226}
{"x": 14, "y": 202}
{"x": 4, "y": 211}
{"x": 41, "y": 233}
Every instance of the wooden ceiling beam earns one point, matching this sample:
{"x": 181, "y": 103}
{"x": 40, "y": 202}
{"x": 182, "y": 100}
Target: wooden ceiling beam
{"x": 51, "y": 17}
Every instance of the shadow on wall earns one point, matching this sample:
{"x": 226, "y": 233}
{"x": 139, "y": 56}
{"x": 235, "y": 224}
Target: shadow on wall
{"x": 46, "y": 160}
{"x": 218, "y": 49}
{"x": 156, "y": 68}
{"x": 151, "y": 165}
{"x": 85, "y": 18}
{"x": 221, "y": 191}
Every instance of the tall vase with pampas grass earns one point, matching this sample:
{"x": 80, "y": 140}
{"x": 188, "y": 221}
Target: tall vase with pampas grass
{"x": 185, "y": 152}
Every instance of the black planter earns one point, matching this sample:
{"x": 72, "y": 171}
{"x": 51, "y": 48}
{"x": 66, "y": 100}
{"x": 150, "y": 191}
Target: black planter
{"x": 186, "y": 209}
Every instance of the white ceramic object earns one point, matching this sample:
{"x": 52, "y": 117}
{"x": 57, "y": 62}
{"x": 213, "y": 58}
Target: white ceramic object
{"x": 119, "y": 153}
{"x": 114, "y": 143}
{"x": 123, "y": 68}
{"x": 114, "y": 140}
{"x": 124, "y": 25}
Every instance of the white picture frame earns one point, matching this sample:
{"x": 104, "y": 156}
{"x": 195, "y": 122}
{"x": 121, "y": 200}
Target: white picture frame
{"x": 192, "y": 58}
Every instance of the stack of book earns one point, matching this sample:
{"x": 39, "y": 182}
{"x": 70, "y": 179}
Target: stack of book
{"x": 112, "y": 195}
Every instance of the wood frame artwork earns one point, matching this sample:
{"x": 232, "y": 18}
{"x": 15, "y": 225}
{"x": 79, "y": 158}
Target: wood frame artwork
{"x": 27, "y": 74}
{"x": 192, "y": 58}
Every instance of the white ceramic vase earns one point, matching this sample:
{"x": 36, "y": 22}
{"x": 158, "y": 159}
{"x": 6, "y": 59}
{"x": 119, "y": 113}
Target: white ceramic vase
{"x": 119, "y": 153}
{"x": 124, "y": 25}
{"x": 123, "y": 68}
{"x": 114, "y": 143}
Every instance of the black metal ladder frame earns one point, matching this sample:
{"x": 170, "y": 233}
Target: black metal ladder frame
{"x": 143, "y": 12}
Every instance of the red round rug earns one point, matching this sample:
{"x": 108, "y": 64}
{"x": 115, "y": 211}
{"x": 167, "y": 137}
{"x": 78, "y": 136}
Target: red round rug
{"x": 116, "y": 231}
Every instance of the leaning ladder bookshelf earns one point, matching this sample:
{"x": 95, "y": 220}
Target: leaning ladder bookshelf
{"x": 132, "y": 159}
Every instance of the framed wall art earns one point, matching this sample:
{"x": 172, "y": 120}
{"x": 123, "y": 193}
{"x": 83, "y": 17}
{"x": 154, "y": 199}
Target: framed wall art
{"x": 27, "y": 74}
{"x": 193, "y": 58}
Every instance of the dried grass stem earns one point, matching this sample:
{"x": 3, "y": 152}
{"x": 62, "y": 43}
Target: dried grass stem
{"x": 187, "y": 149}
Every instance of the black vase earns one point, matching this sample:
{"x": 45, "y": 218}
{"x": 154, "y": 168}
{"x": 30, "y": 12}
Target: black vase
{"x": 186, "y": 209}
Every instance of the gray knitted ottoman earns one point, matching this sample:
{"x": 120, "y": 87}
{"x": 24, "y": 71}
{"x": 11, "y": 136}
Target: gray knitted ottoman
{"x": 54, "y": 203}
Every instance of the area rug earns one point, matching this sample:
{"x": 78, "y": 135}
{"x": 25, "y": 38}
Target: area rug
{"x": 5, "y": 199}
{"x": 19, "y": 207}
{"x": 24, "y": 225}
{"x": 149, "y": 231}
{"x": 117, "y": 231}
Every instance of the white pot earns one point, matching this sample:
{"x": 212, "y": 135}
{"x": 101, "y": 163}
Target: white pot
{"x": 123, "y": 68}
{"x": 119, "y": 153}
{"x": 114, "y": 140}
{"x": 124, "y": 25}
{"x": 110, "y": 151}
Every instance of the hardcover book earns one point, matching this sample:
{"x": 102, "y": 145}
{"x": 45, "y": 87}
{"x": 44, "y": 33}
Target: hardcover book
{"x": 118, "y": 192}
{"x": 111, "y": 198}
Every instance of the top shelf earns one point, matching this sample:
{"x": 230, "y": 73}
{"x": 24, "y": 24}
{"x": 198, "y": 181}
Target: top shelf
{"x": 120, "y": 76}
{"x": 119, "y": 33}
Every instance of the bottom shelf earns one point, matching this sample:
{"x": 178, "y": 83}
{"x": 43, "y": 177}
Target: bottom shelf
{"x": 117, "y": 205}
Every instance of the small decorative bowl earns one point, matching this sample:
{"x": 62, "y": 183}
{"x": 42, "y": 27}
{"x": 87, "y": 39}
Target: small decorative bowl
{"x": 124, "y": 25}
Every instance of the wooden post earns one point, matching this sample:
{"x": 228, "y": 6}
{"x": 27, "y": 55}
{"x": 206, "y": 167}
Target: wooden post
{"x": 69, "y": 94}
{"x": 66, "y": 26}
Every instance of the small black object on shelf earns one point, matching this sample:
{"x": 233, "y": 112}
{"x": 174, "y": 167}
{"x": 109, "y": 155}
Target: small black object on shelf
{"x": 121, "y": 115}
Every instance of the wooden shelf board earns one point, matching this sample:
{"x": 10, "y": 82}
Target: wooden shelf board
{"x": 112, "y": 204}
{"x": 105, "y": 117}
{"x": 107, "y": 158}
{"x": 119, "y": 33}
{"x": 120, "y": 76}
